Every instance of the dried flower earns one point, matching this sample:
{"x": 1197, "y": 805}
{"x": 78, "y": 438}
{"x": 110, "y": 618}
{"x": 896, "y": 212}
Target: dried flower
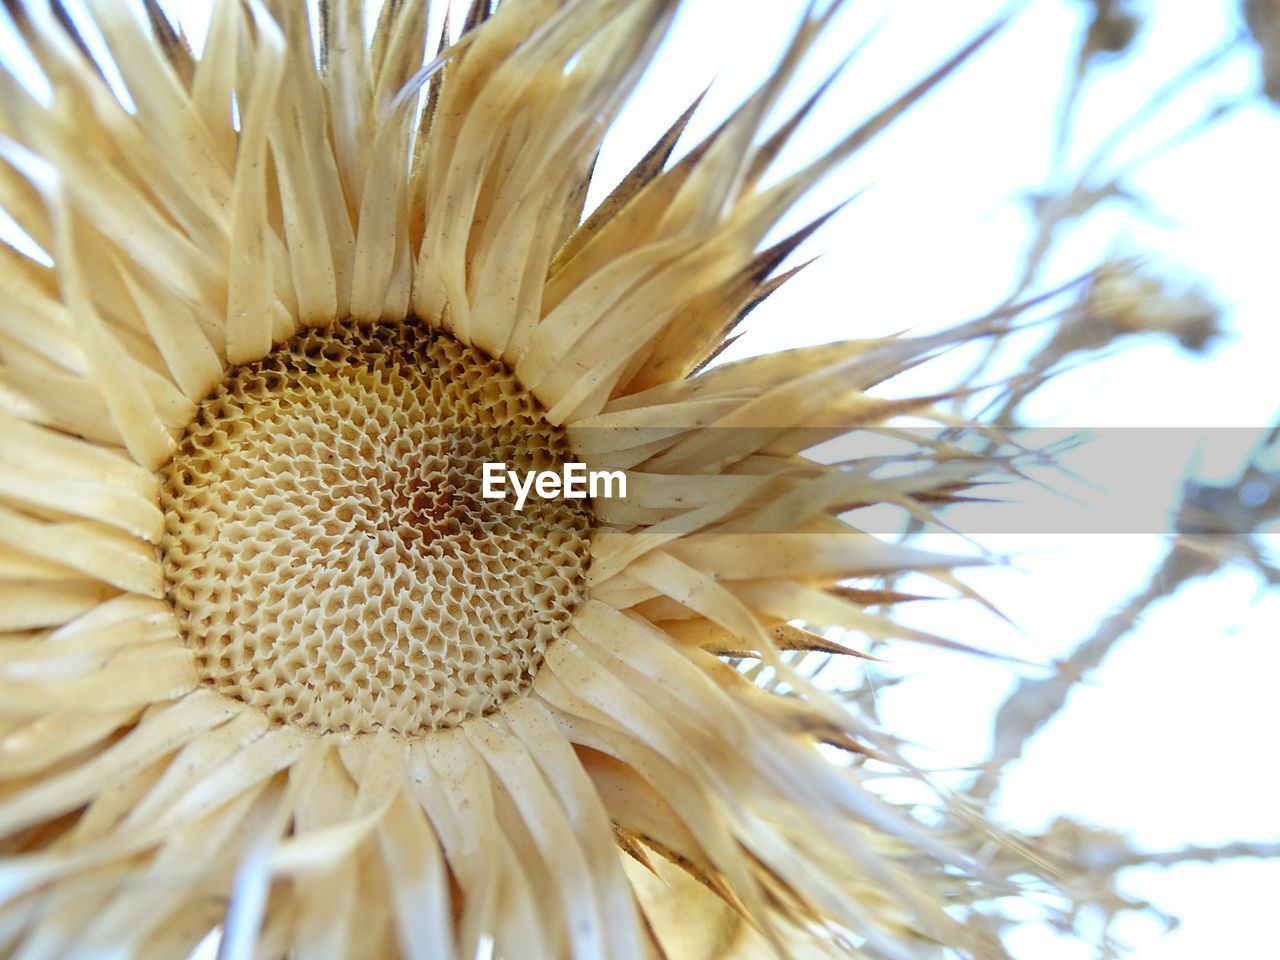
{"x": 269, "y": 663}
{"x": 1123, "y": 299}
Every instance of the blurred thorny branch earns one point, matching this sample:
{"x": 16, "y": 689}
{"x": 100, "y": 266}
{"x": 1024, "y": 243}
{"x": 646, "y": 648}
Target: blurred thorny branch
{"x": 1086, "y": 861}
{"x": 1124, "y": 302}
{"x": 1072, "y": 193}
{"x": 1216, "y": 524}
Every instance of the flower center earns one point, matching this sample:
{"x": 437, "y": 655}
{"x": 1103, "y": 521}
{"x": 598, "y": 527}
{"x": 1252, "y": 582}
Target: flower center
{"x": 327, "y": 547}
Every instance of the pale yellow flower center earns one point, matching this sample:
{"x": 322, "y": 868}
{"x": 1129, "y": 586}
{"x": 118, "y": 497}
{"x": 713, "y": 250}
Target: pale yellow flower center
{"x": 327, "y": 547}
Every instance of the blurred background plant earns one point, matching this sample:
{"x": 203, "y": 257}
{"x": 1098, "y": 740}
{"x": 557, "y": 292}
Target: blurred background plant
{"x": 1131, "y": 301}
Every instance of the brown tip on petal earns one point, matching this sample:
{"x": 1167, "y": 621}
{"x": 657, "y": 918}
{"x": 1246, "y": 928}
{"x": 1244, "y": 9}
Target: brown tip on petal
{"x": 172, "y": 42}
{"x": 477, "y": 14}
{"x": 63, "y": 16}
{"x": 789, "y": 637}
{"x": 649, "y": 166}
{"x": 773, "y": 146}
{"x": 876, "y": 598}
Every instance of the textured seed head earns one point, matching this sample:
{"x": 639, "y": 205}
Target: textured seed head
{"x": 327, "y": 546}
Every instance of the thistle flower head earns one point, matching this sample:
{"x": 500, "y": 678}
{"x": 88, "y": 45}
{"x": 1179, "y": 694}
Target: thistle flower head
{"x": 268, "y": 661}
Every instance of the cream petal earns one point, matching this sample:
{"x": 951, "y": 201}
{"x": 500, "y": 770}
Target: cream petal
{"x": 92, "y": 548}
{"x": 45, "y": 742}
{"x": 551, "y": 833}
{"x": 419, "y": 882}
{"x": 251, "y": 302}
{"x": 146, "y": 905}
{"x": 157, "y": 735}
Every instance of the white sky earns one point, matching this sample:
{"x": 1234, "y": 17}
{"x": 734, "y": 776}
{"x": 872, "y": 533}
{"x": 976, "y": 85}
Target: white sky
{"x": 1169, "y": 743}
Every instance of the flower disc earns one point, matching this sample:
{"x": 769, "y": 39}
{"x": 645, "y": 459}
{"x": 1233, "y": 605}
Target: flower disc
{"x": 327, "y": 546}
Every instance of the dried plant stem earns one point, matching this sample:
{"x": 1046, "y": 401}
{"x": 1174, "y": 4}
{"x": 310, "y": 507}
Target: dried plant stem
{"x": 1196, "y": 853}
{"x": 1034, "y": 702}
